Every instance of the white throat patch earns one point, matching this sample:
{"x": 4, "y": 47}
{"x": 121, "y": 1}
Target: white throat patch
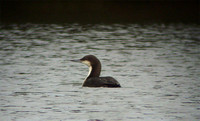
{"x": 89, "y": 65}
{"x": 86, "y": 63}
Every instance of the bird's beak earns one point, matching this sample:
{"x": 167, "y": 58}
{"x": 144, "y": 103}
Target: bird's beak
{"x": 76, "y": 60}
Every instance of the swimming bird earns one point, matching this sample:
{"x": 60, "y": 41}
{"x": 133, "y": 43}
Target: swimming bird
{"x": 93, "y": 79}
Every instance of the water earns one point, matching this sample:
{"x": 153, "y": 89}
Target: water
{"x": 157, "y": 65}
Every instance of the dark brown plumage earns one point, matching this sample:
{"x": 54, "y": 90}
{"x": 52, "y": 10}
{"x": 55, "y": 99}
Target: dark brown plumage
{"x": 93, "y": 79}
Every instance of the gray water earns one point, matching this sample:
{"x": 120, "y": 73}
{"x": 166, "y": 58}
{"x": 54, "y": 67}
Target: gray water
{"x": 157, "y": 65}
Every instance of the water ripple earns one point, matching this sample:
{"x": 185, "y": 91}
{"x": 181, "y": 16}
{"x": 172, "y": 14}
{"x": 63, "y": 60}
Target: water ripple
{"x": 157, "y": 66}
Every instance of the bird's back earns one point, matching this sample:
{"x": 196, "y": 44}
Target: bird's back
{"x": 101, "y": 82}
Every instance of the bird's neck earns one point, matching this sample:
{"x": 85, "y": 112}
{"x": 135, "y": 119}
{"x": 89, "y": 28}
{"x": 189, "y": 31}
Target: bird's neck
{"x": 94, "y": 71}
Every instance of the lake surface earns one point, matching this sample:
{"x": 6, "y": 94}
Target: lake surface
{"x": 157, "y": 65}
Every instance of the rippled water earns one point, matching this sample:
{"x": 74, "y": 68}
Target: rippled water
{"x": 158, "y": 67}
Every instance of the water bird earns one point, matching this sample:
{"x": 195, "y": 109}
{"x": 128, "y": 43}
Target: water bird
{"x": 93, "y": 79}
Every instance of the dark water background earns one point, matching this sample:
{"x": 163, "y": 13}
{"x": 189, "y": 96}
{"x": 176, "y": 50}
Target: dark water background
{"x": 100, "y": 11}
{"x": 157, "y": 65}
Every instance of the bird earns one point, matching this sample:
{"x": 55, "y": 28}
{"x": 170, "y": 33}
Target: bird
{"x": 93, "y": 79}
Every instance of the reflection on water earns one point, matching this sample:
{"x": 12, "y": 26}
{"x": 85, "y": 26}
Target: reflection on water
{"x": 158, "y": 67}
